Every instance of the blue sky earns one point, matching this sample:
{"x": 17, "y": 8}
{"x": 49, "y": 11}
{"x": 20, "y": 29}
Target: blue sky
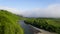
{"x": 28, "y": 4}
{"x": 34, "y": 8}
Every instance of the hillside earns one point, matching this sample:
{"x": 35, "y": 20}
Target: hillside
{"x": 8, "y": 23}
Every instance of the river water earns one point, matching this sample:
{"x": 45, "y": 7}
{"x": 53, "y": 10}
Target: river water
{"x": 28, "y": 29}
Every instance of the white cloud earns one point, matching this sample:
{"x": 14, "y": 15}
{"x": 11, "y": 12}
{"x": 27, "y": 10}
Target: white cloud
{"x": 50, "y": 11}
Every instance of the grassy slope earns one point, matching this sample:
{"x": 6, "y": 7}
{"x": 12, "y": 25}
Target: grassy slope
{"x": 54, "y": 23}
{"x": 8, "y": 23}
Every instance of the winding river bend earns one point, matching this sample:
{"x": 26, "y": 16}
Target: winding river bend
{"x": 29, "y": 29}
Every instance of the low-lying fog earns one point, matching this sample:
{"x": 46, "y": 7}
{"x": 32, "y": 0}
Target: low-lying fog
{"x": 49, "y": 11}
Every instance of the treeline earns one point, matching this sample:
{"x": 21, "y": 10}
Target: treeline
{"x": 8, "y": 23}
{"x": 49, "y": 24}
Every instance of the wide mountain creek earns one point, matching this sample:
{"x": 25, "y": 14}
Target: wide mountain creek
{"x": 29, "y": 29}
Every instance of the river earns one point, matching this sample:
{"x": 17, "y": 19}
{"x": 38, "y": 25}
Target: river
{"x": 29, "y": 29}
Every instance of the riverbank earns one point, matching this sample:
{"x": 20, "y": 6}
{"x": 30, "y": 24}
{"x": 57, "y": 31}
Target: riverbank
{"x": 42, "y": 31}
{"x": 29, "y": 29}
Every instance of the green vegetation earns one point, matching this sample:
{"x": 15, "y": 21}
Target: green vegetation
{"x": 49, "y": 24}
{"x": 8, "y": 23}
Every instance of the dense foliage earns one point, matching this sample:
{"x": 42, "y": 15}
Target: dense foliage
{"x": 8, "y": 23}
{"x": 49, "y": 24}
